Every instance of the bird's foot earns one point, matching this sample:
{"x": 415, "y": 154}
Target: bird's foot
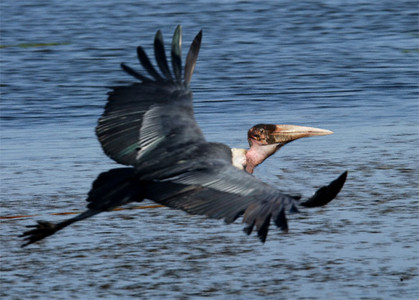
{"x": 41, "y": 231}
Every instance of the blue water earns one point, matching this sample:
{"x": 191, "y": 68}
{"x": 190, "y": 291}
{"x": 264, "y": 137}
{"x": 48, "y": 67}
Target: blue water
{"x": 351, "y": 67}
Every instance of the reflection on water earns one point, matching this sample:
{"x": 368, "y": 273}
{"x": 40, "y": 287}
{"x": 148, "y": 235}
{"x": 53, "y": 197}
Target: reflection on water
{"x": 351, "y": 68}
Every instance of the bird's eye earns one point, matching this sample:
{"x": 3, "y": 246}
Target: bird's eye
{"x": 261, "y": 130}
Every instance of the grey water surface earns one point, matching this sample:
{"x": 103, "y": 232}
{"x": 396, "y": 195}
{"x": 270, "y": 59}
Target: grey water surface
{"x": 348, "y": 66}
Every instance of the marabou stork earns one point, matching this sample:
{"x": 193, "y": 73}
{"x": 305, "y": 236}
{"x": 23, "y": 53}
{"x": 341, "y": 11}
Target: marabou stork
{"x": 150, "y": 127}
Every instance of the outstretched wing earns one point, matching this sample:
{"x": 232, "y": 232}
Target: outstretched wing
{"x": 210, "y": 185}
{"x": 118, "y": 129}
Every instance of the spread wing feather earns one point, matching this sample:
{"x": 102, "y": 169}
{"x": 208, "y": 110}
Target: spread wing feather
{"x": 145, "y": 62}
{"x": 176, "y": 53}
{"x": 221, "y": 191}
{"x": 118, "y": 128}
{"x": 160, "y": 55}
{"x": 192, "y": 57}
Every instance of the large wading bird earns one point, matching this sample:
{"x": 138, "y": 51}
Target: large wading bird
{"x": 150, "y": 127}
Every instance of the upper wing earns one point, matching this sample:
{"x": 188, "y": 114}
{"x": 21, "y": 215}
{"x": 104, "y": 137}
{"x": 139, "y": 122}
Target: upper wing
{"x": 118, "y": 129}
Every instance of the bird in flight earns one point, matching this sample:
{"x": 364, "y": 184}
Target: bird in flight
{"x": 150, "y": 127}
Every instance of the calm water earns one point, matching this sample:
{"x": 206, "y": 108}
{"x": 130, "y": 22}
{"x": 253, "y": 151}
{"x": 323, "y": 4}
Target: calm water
{"x": 351, "y": 68}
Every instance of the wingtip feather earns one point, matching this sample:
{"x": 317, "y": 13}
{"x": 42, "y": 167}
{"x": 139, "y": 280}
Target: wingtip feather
{"x": 325, "y": 194}
{"x": 145, "y": 62}
{"x": 176, "y": 53}
{"x": 134, "y": 73}
{"x": 192, "y": 57}
{"x": 160, "y": 55}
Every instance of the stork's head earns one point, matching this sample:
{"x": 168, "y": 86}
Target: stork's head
{"x": 266, "y": 139}
{"x": 279, "y": 135}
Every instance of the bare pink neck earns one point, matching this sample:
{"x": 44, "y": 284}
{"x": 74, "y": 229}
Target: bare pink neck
{"x": 257, "y": 154}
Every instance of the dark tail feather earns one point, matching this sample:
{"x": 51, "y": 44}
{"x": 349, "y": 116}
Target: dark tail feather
{"x": 326, "y": 194}
{"x": 192, "y": 57}
{"x": 110, "y": 190}
{"x": 114, "y": 188}
{"x": 177, "y": 53}
{"x": 44, "y": 228}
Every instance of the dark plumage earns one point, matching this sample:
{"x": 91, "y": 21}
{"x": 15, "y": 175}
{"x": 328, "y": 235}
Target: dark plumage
{"x": 150, "y": 127}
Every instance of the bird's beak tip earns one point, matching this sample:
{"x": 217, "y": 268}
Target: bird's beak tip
{"x": 324, "y": 132}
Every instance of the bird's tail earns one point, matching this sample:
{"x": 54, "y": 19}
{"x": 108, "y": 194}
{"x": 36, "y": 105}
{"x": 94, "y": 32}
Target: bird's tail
{"x": 114, "y": 188}
{"x": 110, "y": 190}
